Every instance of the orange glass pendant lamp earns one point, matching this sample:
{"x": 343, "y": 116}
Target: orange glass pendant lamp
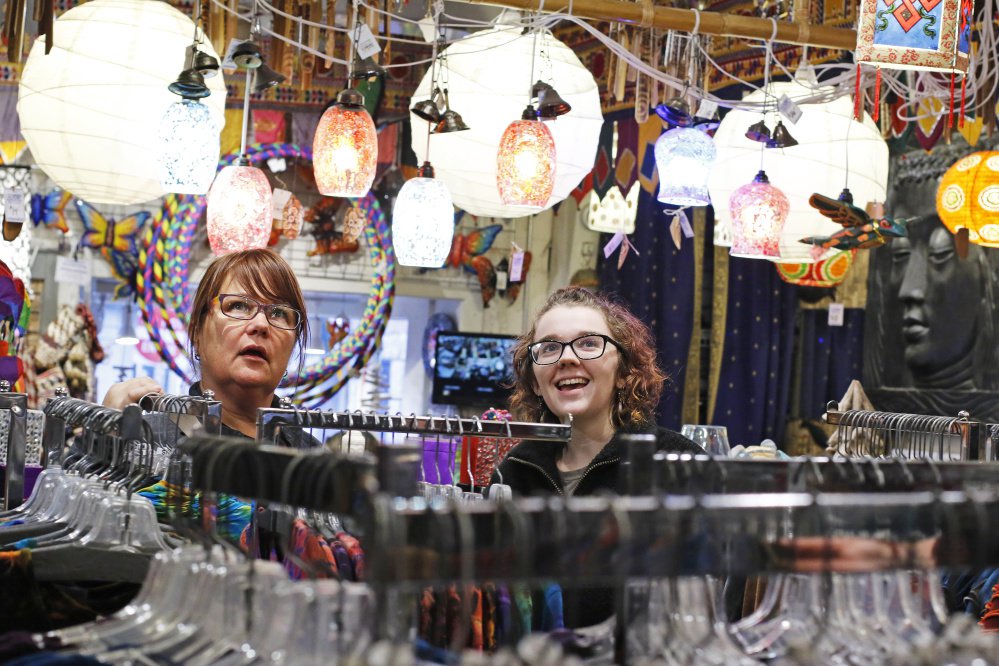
{"x": 345, "y": 148}
{"x": 968, "y": 197}
{"x": 525, "y": 162}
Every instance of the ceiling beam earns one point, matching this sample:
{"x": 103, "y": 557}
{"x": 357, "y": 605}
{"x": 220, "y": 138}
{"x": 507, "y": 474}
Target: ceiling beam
{"x": 671, "y": 18}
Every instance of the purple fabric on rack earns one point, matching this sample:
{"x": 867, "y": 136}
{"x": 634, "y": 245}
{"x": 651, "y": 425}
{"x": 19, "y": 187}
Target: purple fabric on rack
{"x": 31, "y": 473}
{"x": 438, "y": 460}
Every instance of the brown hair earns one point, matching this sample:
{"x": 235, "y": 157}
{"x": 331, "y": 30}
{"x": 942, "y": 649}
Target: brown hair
{"x": 263, "y": 273}
{"x": 642, "y": 380}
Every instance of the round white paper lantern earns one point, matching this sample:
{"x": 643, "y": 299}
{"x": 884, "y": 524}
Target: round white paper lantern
{"x": 825, "y": 132}
{"x": 488, "y": 81}
{"x": 90, "y": 110}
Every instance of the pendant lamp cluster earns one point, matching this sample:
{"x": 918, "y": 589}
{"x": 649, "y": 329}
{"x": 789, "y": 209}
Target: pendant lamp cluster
{"x": 423, "y": 215}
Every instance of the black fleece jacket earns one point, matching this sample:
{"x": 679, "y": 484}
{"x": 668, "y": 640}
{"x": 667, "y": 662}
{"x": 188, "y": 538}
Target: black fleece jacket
{"x": 529, "y": 469}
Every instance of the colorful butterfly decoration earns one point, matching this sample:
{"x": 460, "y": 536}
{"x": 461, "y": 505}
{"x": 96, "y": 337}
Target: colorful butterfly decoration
{"x": 50, "y": 209}
{"x": 124, "y": 267}
{"x": 106, "y": 232}
{"x": 467, "y": 252}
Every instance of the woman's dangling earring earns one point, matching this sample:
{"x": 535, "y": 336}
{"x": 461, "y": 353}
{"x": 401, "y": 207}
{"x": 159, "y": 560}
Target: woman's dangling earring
{"x": 284, "y": 376}
{"x": 197, "y": 357}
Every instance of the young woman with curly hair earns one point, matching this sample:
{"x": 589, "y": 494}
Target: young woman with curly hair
{"x": 588, "y": 361}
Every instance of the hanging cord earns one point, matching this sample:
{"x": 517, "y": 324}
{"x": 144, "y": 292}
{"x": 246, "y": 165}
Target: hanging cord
{"x": 355, "y": 31}
{"x": 434, "y": 70}
{"x": 534, "y": 50}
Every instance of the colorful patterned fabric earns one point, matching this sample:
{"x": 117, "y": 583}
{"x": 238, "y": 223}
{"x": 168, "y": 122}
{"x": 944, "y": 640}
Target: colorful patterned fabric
{"x": 230, "y": 515}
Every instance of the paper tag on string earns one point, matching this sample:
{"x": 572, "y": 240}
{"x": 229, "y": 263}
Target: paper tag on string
{"x": 623, "y": 254}
{"x": 613, "y": 244}
{"x": 278, "y": 200}
{"x": 14, "y": 208}
{"x": 367, "y": 45}
{"x": 789, "y": 109}
{"x": 516, "y": 264}
{"x": 501, "y": 280}
{"x": 688, "y": 232}
{"x": 836, "y": 314}
{"x": 674, "y": 231}
{"x": 707, "y": 109}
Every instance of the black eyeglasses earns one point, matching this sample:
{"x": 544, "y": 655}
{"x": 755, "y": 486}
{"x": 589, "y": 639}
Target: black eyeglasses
{"x": 586, "y": 348}
{"x": 238, "y": 306}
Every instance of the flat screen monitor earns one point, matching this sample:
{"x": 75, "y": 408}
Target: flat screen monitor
{"x": 473, "y": 369}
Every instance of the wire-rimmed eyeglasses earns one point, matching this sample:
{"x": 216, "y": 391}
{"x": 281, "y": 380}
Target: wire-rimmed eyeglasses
{"x": 239, "y": 306}
{"x": 586, "y": 347}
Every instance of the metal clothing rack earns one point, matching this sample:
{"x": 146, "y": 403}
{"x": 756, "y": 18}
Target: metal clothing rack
{"x": 898, "y": 435}
{"x": 728, "y": 518}
{"x": 205, "y": 407}
{"x": 270, "y": 420}
{"x": 63, "y": 412}
{"x": 15, "y": 407}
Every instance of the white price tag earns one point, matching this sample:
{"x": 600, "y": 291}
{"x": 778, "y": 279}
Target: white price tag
{"x": 707, "y": 109}
{"x": 14, "y": 206}
{"x": 367, "y": 45}
{"x": 789, "y": 109}
{"x": 278, "y": 201}
{"x": 516, "y": 265}
{"x": 72, "y": 271}
{"x": 836, "y": 314}
{"x": 501, "y": 280}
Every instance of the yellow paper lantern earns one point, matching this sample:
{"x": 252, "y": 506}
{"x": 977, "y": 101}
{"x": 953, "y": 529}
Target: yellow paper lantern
{"x": 968, "y": 197}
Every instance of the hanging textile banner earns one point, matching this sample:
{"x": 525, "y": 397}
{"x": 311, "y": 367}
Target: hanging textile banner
{"x": 915, "y": 34}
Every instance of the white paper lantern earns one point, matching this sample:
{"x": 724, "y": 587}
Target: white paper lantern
{"x": 825, "y": 132}
{"x": 90, "y": 110}
{"x": 488, "y": 81}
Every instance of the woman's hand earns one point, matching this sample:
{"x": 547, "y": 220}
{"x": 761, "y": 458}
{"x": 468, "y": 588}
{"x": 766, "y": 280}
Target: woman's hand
{"x": 130, "y": 391}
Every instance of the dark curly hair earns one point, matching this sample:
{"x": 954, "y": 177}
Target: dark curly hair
{"x": 640, "y": 375}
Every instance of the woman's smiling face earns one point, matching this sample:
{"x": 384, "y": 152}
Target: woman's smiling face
{"x": 584, "y": 389}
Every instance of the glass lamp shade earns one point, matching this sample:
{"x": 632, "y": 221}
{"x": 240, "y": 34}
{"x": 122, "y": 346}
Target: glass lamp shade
{"x": 345, "y": 149}
{"x": 189, "y": 147}
{"x": 968, "y": 197}
{"x": 684, "y": 157}
{"x": 758, "y": 213}
{"x": 525, "y": 164}
{"x": 423, "y": 223}
{"x": 239, "y": 210}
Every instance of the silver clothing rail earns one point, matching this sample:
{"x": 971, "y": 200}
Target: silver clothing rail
{"x": 270, "y": 420}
